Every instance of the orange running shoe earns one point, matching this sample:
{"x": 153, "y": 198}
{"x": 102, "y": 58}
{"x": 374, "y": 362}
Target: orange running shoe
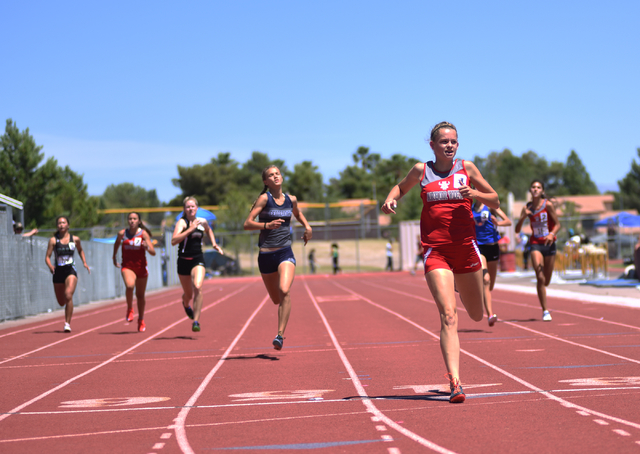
{"x": 141, "y": 325}
{"x": 457, "y": 394}
{"x": 130, "y": 315}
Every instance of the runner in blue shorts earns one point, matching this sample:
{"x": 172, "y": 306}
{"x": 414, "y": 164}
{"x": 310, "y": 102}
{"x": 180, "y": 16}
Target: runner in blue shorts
{"x": 276, "y": 262}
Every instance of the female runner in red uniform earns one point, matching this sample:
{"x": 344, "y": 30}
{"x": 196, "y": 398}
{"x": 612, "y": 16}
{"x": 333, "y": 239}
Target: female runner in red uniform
{"x": 448, "y": 238}
{"x": 136, "y": 241}
{"x": 65, "y": 277}
{"x": 544, "y": 224}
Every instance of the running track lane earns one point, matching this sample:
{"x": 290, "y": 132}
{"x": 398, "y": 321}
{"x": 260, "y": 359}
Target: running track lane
{"x": 389, "y": 338}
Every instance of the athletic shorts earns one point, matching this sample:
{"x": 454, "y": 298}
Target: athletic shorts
{"x": 546, "y": 251}
{"x": 62, "y": 272}
{"x": 490, "y": 251}
{"x": 186, "y": 264}
{"x": 461, "y": 258}
{"x": 141, "y": 271}
{"x": 268, "y": 262}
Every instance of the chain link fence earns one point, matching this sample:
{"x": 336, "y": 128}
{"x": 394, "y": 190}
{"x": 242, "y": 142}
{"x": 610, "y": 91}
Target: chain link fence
{"x": 26, "y": 286}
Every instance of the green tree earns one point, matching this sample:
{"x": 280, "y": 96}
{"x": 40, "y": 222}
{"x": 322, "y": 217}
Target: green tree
{"x": 208, "y": 182}
{"x": 231, "y": 218}
{"x": 575, "y": 177}
{"x": 630, "y": 187}
{"x": 250, "y": 175}
{"x": 367, "y": 161}
{"x": 353, "y": 183}
{"x": 128, "y": 195}
{"x": 45, "y": 189}
{"x": 72, "y": 199}
{"x": 305, "y": 182}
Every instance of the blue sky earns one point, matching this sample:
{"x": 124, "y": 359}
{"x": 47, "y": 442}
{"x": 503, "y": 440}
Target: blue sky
{"x": 126, "y": 91}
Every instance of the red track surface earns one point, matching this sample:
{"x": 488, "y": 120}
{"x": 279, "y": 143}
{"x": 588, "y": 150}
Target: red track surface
{"x": 361, "y": 372}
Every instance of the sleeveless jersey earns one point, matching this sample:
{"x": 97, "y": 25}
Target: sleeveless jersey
{"x": 64, "y": 252}
{"x": 486, "y": 232}
{"x": 133, "y": 250}
{"x": 191, "y": 246}
{"x": 446, "y": 215}
{"x": 280, "y": 237}
{"x": 541, "y": 223}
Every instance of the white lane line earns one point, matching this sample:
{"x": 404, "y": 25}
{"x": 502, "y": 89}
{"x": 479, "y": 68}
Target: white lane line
{"x": 179, "y": 426}
{"x": 511, "y": 303}
{"x": 547, "y": 394}
{"x": 158, "y": 446}
{"x": 165, "y": 436}
{"x": 624, "y": 301}
{"x": 113, "y": 305}
{"x": 575, "y": 344}
{"x": 67, "y": 337}
{"x": 214, "y": 424}
{"x": 622, "y": 432}
{"x": 573, "y": 314}
{"x": 360, "y": 389}
{"x": 502, "y": 321}
{"x": 254, "y": 404}
{"x": 113, "y": 358}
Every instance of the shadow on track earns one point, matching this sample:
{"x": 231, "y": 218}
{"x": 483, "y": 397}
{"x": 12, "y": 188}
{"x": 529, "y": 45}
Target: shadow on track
{"x": 260, "y": 356}
{"x": 435, "y": 396}
{"x": 117, "y": 333}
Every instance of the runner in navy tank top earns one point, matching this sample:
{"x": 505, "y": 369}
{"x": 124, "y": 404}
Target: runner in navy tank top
{"x": 487, "y": 220}
{"x": 448, "y": 237}
{"x": 276, "y": 261}
{"x": 65, "y": 277}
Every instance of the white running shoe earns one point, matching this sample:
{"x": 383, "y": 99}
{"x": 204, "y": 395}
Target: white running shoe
{"x": 67, "y": 328}
{"x": 493, "y": 319}
{"x": 546, "y": 316}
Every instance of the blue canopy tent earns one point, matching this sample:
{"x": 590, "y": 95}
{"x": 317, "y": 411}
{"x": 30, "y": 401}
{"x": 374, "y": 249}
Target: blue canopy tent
{"x": 620, "y": 220}
{"x": 201, "y": 213}
{"x": 111, "y": 240}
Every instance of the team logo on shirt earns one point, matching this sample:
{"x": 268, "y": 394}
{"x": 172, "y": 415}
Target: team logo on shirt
{"x": 444, "y": 185}
{"x": 459, "y": 180}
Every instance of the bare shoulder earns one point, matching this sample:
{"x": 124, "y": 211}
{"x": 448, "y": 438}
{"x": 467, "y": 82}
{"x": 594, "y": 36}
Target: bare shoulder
{"x": 470, "y": 167}
{"x": 293, "y": 198}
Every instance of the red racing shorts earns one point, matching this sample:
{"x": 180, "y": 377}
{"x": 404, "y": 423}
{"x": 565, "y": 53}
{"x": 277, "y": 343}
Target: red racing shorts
{"x": 140, "y": 270}
{"x": 461, "y": 257}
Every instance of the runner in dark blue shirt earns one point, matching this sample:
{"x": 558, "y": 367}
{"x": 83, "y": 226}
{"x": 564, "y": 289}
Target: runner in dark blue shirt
{"x": 276, "y": 262}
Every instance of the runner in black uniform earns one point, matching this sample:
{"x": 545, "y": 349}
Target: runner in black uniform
{"x": 65, "y": 278}
{"x": 188, "y": 234}
{"x": 276, "y": 261}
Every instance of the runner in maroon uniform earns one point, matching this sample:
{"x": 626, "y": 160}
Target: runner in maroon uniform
{"x": 448, "y": 237}
{"x": 544, "y": 224}
{"x": 136, "y": 241}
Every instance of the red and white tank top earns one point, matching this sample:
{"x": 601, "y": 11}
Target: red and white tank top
{"x": 541, "y": 223}
{"x": 133, "y": 250}
{"x": 446, "y": 215}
